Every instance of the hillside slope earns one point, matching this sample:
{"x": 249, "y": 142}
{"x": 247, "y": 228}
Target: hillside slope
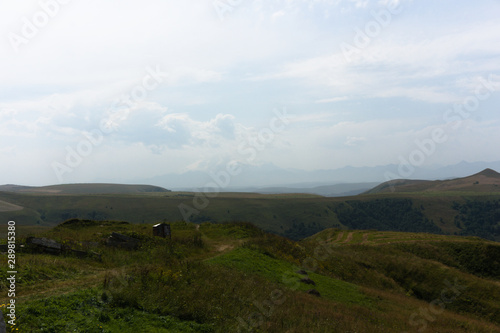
{"x": 236, "y": 278}
{"x": 485, "y": 181}
{"x": 442, "y": 207}
{"x": 296, "y": 217}
{"x": 94, "y": 188}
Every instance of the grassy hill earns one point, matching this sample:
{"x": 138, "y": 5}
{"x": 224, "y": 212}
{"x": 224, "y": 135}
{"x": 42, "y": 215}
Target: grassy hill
{"x": 485, "y": 181}
{"x": 293, "y": 216}
{"x": 237, "y": 278}
{"x": 84, "y": 189}
{"x": 451, "y": 207}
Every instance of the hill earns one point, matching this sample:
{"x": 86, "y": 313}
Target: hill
{"x": 337, "y": 190}
{"x": 269, "y": 175}
{"x": 236, "y": 278}
{"x": 291, "y": 215}
{"x": 84, "y": 189}
{"x": 441, "y": 207}
{"x": 8, "y": 207}
{"x": 485, "y": 181}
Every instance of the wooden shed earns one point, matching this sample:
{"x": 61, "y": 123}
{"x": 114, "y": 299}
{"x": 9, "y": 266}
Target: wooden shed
{"x": 162, "y": 230}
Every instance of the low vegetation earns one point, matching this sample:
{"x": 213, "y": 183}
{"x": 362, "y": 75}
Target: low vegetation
{"x": 397, "y": 214}
{"x": 236, "y": 278}
{"x": 479, "y": 218}
{"x": 294, "y": 217}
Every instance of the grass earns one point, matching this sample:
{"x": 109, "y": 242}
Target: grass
{"x": 90, "y": 313}
{"x": 282, "y": 272}
{"x": 194, "y": 284}
{"x": 373, "y": 237}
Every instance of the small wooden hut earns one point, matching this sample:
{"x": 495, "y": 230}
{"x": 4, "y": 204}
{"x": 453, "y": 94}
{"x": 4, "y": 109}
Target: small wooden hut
{"x": 162, "y": 230}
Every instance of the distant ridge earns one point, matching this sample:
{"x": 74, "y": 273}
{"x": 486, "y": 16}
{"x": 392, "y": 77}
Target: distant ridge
{"x": 85, "y": 188}
{"x": 487, "y": 180}
{"x": 488, "y": 173}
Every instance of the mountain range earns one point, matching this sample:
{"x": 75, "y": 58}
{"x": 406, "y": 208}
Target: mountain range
{"x": 345, "y": 181}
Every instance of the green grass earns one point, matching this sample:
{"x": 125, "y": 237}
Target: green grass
{"x": 86, "y": 311}
{"x": 192, "y": 284}
{"x": 280, "y": 271}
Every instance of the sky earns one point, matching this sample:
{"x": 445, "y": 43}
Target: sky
{"x": 121, "y": 90}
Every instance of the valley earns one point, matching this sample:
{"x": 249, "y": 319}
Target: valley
{"x": 423, "y": 257}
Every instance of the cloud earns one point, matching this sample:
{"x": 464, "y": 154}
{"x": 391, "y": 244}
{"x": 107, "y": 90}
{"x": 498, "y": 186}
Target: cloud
{"x": 181, "y": 130}
{"x": 354, "y": 141}
{"x": 222, "y": 79}
{"x": 332, "y": 100}
{"x": 396, "y": 65}
{"x": 360, "y": 3}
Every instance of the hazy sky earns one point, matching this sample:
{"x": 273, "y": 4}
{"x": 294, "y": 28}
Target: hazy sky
{"x": 116, "y": 90}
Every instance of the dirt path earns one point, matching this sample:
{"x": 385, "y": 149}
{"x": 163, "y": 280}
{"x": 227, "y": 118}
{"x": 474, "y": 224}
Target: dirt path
{"x": 349, "y": 238}
{"x": 224, "y": 247}
{"x": 365, "y": 239}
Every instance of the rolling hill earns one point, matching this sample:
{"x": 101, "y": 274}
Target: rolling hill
{"x": 467, "y": 206}
{"x": 485, "y": 181}
{"x": 236, "y": 278}
{"x": 84, "y": 189}
{"x": 378, "y": 262}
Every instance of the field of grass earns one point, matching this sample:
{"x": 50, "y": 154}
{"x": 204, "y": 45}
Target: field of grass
{"x": 373, "y": 237}
{"x": 86, "y": 311}
{"x": 237, "y": 278}
{"x": 282, "y": 272}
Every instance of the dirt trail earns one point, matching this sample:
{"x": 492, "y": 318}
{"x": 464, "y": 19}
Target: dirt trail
{"x": 365, "y": 239}
{"x": 224, "y": 247}
{"x": 349, "y": 238}
{"x": 337, "y": 240}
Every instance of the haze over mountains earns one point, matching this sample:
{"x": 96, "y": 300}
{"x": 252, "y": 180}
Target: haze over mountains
{"x": 269, "y": 178}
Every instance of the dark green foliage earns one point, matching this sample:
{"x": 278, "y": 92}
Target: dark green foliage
{"x": 479, "y": 218}
{"x": 384, "y": 214}
{"x": 301, "y": 230}
{"x": 478, "y": 258}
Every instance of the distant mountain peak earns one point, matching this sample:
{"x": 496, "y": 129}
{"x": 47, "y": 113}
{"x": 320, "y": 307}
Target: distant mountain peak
{"x": 487, "y": 180}
{"x": 488, "y": 173}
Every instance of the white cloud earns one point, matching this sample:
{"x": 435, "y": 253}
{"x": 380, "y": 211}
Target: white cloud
{"x": 332, "y": 100}
{"x": 221, "y": 79}
{"x": 397, "y": 65}
{"x": 360, "y": 3}
{"x": 354, "y": 141}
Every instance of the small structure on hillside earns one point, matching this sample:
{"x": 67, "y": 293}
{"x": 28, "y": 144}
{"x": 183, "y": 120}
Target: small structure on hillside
{"x": 162, "y": 230}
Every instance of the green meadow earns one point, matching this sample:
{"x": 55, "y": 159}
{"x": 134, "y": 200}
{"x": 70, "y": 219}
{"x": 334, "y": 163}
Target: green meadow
{"x": 235, "y": 277}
